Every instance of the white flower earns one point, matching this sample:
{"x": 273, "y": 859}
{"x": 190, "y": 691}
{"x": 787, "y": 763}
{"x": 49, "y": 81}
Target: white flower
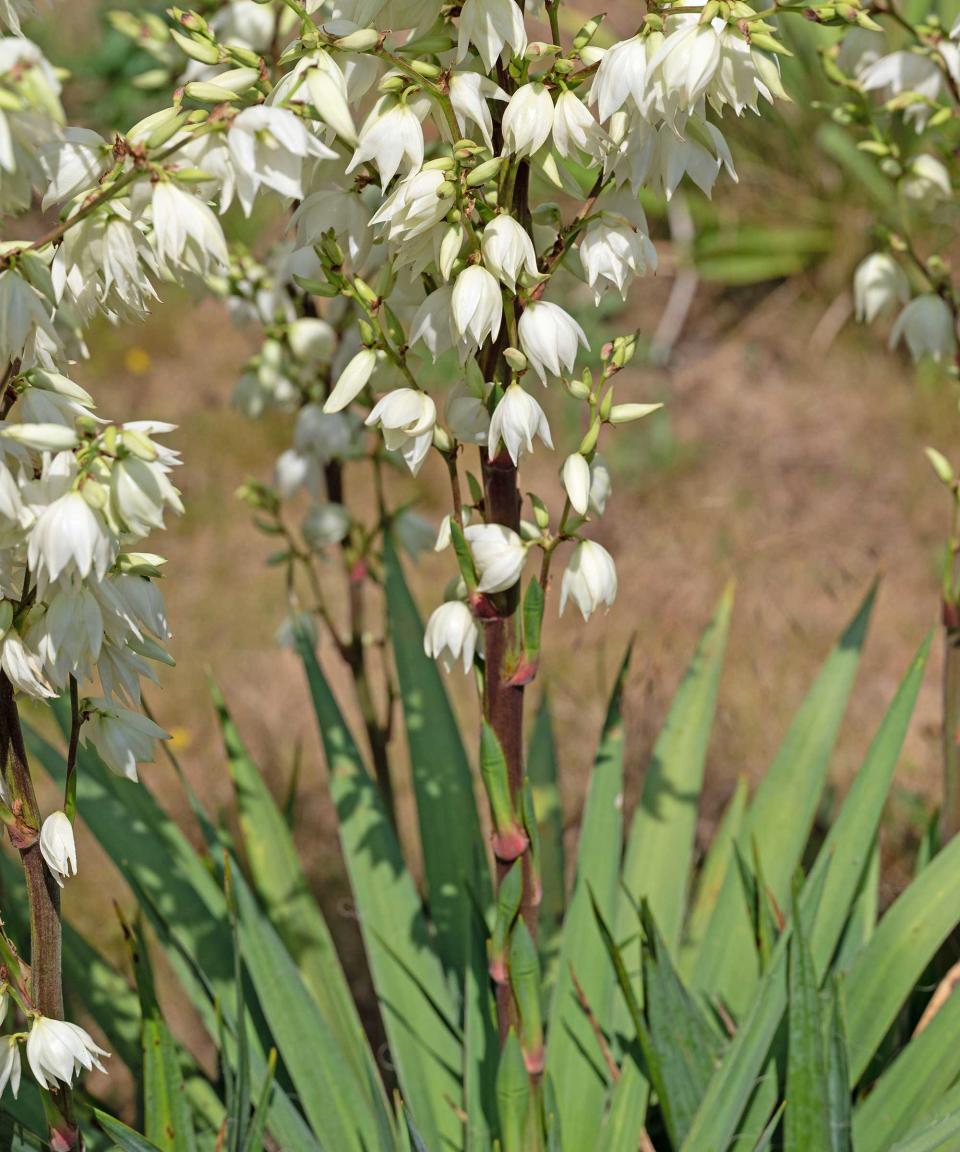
{"x": 905, "y": 72}
{"x": 69, "y": 535}
{"x": 24, "y": 312}
{"x": 467, "y": 416}
{"x": 927, "y": 325}
{"x": 622, "y": 75}
{"x": 414, "y": 206}
{"x": 269, "y": 146}
{"x": 391, "y": 137}
{"x": 576, "y": 482}
{"x": 878, "y": 283}
{"x": 10, "y": 1065}
{"x": 549, "y": 338}
{"x": 469, "y": 93}
{"x": 58, "y": 847}
{"x": 476, "y": 307}
{"x": 527, "y": 120}
{"x": 685, "y": 63}
{"x": 140, "y": 492}
{"x": 574, "y": 129}
{"x": 612, "y": 253}
{"x": 22, "y": 666}
{"x": 451, "y": 635}
{"x": 57, "y": 1051}
{"x": 186, "y": 232}
{"x": 601, "y": 486}
{"x": 295, "y": 470}
{"x": 312, "y": 340}
{"x": 123, "y": 739}
{"x": 493, "y": 27}
{"x": 73, "y": 163}
{"x": 431, "y": 322}
{"x": 515, "y": 421}
{"x": 325, "y": 524}
{"x": 498, "y": 554}
{"x": 590, "y": 579}
{"x": 926, "y": 180}
{"x": 508, "y": 250}
{"x": 69, "y": 635}
{"x": 351, "y": 381}
{"x": 407, "y": 418}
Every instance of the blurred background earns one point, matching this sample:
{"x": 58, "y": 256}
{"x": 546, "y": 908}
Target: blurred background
{"x": 788, "y": 458}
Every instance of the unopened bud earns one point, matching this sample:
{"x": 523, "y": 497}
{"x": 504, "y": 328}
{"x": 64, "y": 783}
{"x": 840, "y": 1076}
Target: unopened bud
{"x": 941, "y": 466}
{"x": 364, "y": 291}
{"x": 484, "y": 172}
{"x": 515, "y": 359}
{"x": 360, "y": 41}
{"x": 203, "y": 51}
{"x": 627, "y": 413}
{"x": 139, "y": 445}
{"x": 442, "y": 440}
{"x": 589, "y": 443}
{"x": 426, "y": 68}
{"x": 577, "y": 389}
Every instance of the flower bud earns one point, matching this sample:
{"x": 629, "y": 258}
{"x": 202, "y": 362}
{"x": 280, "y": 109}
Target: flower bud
{"x": 363, "y": 40}
{"x": 626, "y": 413}
{"x": 576, "y": 482}
{"x": 203, "y": 51}
{"x": 590, "y": 579}
{"x": 941, "y": 466}
{"x": 57, "y": 846}
{"x": 352, "y": 381}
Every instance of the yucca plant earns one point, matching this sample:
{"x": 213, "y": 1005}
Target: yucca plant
{"x": 761, "y": 1004}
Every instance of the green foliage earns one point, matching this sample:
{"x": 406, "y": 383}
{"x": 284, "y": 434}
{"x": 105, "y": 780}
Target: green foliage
{"x": 736, "y": 1003}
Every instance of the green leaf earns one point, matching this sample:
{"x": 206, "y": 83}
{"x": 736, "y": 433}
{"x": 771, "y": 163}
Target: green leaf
{"x": 887, "y": 969}
{"x": 166, "y": 1109}
{"x": 335, "y": 1102}
{"x": 454, "y": 855}
{"x": 125, "y": 1138}
{"x": 807, "y": 1117}
{"x": 826, "y": 899}
{"x": 718, "y": 859}
{"x": 661, "y": 841}
{"x": 542, "y": 770}
{"x": 940, "y": 1136}
{"x": 913, "y": 1083}
{"x": 514, "y": 1103}
{"x": 280, "y": 883}
{"x": 573, "y": 1061}
{"x": 688, "y": 1049}
{"x": 779, "y": 821}
{"x": 418, "y": 1014}
{"x": 838, "y": 1074}
{"x": 481, "y": 1045}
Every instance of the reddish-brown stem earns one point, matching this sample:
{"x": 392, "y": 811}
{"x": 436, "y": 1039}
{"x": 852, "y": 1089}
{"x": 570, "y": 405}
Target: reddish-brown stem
{"x": 43, "y": 896}
{"x": 503, "y": 701}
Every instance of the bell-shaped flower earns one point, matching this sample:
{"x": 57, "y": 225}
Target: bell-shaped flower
{"x": 612, "y": 253}
{"x": 549, "y": 338}
{"x": 26, "y": 315}
{"x": 391, "y": 138}
{"x": 58, "y": 847}
{"x": 905, "y": 71}
{"x": 495, "y": 28}
{"x": 590, "y": 579}
{"x": 601, "y": 486}
{"x": 515, "y": 422}
{"x": 576, "y": 482}
{"x": 69, "y": 536}
{"x": 686, "y": 63}
{"x": 416, "y": 205}
{"x": 451, "y": 635}
{"x": 140, "y": 492}
{"x": 407, "y": 418}
{"x": 73, "y": 163}
{"x": 22, "y": 666}
{"x": 351, "y": 381}
{"x": 476, "y": 307}
{"x": 927, "y": 325}
{"x": 467, "y": 417}
{"x": 574, "y": 128}
{"x": 527, "y": 120}
{"x": 123, "y": 739}
{"x": 10, "y": 1067}
{"x": 57, "y": 1051}
{"x": 926, "y": 180}
{"x": 879, "y": 283}
{"x": 469, "y": 93}
{"x": 186, "y": 232}
{"x": 68, "y": 636}
{"x": 324, "y": 525}
{"x": 622, "y": 76}
{"x": 431, "y": 322}
{"x": 498, "y": 555}
{"x": 508, "y": 250}
{"x": 269, "y": 147}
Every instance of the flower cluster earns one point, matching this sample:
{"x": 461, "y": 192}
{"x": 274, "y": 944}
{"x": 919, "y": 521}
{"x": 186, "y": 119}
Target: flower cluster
{"x": 407, "y": 140}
